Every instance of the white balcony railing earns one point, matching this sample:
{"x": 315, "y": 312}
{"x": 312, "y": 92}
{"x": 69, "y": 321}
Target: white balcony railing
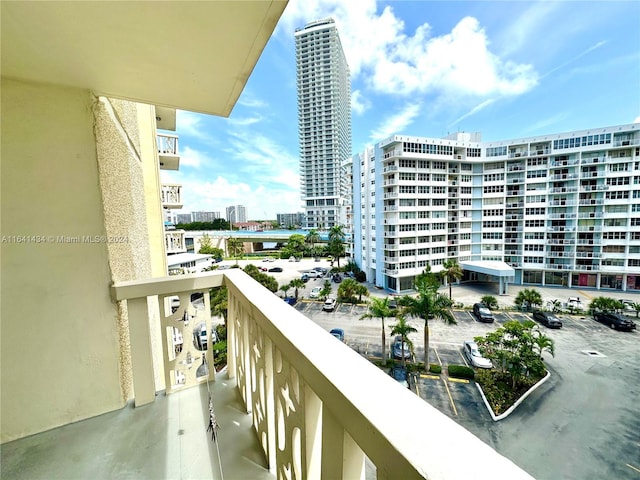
{"x": 174, "y": 241}
{"x": 171, "y": 195}
{"x": 318, "y": 407}
{"x": 168, "y": 151}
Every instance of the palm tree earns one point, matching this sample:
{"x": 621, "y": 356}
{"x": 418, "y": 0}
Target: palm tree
{"x": 347, "y": 290}
{"x": 403, "y": 329}
{"x": 490, "y": 301}
{"x": 235, "y": 247}
{"x": 428, "y": 304}
{"x": 297, "y": 283}
{"x": 361, "y": 290}
{"x": 311, "y": 239}
{"x": 285, "y": 288}
{"x": 636, "y": 307}
{"x": 544, "y": 343}
{"x": 379, "y": 308}
{"x": 336, "y": 242}
{"x": 452, "y": 271}
{"x": 326, "y": 290}
{"x": 529, "y": 297}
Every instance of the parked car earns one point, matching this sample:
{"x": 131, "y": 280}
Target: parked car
{"x": 329, "y": 305}
{"x": 615, "y": 321}
{"x": 264, "y": 269}
{"x": 275, "y": 269}
{"x": 322, "y": 270}
{"x": 290, "y": 300}
{"x": 392, "y": 303}
{"x": 473, "y": 355}
{"x": 305, "y": 277}
{"x": 482, "y": 313}
{"x": 338, "y": 333}
{"x": 547, "y": 318}
{"x": 627, "y": 304}
{"x": 400, "y": 375}
{"x": 336, "y": 278}
{"x": 292, "y": 259}
{"x": 398, "y": 348}
{"x": 315, "y": 292}
{"x": 313, "y": 274}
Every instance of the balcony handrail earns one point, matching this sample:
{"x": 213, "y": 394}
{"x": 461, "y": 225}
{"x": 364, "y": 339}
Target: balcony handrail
{"x": 311, "y": 414}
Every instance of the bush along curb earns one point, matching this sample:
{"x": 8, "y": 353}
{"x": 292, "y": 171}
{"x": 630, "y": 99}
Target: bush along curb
{"x": 512, "y": 408}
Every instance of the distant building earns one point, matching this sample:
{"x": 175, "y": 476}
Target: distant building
{"x": 290, "y": 219}
{"x": 324, "y": 123}
{"x": 204, "y": 216}
{"x": 183, "y": 218}
{"x": 236, "y": 214}
{"x": 252, "y": 226}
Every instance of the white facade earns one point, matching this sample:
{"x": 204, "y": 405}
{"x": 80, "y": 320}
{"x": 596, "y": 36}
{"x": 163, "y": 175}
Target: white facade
{"x": 561, "y": 209}
{"x": 324, "y": 123}
{"x": 205, "y": 216}
{"x": 236, "y": 214}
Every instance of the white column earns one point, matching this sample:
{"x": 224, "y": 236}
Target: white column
{"x": 141, "y": 355}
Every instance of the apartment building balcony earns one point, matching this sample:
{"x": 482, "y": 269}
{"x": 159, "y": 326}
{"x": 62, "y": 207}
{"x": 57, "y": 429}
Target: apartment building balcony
{"x": 518, "y": 154}
{"x": 514, "y": 193}
{"x": 390, "y": 168}
{"x": 626, "y": 142}
{"x": 561, "y": 216}
{"x": 589, "y": 228}
{"x": 514, "y": 204}
{"x": 558, "y": 266}
{"x": 557, "y": 190}
{"x": 563, "y": 176}
{"x": 594, "y": 188}
{"x": 174, "y": 241}
{"x": 515, "y": 180}
{"x": 592, "y": 160}
{"x": 564, "y": 163}
{"x": 586, "y": 267}
{"x": 560, "y": 229}
{"x": 558, "y": 254}
{"x": 282, "y": 405}
{"x": 515, "y": 168}
{"x": 588, "y": 254}
{"x": 390, "y": 208}
{"x": 558, "y": 241}
{"x": 168, "y": 151}
{"x": 171, "y": 195}
{"x": 591, "y": 201}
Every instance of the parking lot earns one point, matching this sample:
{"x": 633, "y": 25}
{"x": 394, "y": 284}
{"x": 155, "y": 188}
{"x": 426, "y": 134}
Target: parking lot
{"x": 583, "y": 422}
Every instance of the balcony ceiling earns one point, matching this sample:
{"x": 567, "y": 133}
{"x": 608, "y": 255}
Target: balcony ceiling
{"x": 188, "y": 55}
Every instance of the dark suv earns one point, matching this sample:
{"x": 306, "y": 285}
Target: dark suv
{"x": 482, "y": 313}
{"x": 547, "y": 318}
{"x": 614, "y": 320}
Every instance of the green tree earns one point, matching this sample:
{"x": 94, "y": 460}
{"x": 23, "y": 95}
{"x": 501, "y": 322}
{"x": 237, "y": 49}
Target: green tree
{"x": 379, "y": 308}
{"x": 636, "y": 307}
{"x": 428, "y": 304}
{"x": 218, "y": 302}
{"x": 297, "y": 283}
{"x": 556, "y": 306}
{"x": 543, "y": 343}
{"x": 310, "y": 240}
{"x": 285, "y": 287}
{"x": 235, "y": 247}
{"x": 452, "y": 271}
{"x": 528, "y": 298}
{"x": 606, "y": 304}
{"x": 268, "y": 281}
{"x": 336, "y": 243}
{"x": 347, "y": 290}
{"x": 513, "y": 350}
{"x": 490, "y": 301}
{"x": 326, "y": 290}
{"x": 361, "y": 290}
{"x": 403, "y": 329}
{"x": 295, "y": 246}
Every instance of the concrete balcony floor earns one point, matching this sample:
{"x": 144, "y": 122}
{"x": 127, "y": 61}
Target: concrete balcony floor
{"x": 162, "y": 440}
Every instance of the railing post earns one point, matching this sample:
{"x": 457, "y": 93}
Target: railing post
{"x": 141, "y": 355}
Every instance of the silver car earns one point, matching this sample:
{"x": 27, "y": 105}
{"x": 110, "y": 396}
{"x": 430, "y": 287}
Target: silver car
{"x": 474, "y": 356}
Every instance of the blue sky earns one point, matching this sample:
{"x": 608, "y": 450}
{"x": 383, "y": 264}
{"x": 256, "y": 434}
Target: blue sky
{"x": 506, "y": 69}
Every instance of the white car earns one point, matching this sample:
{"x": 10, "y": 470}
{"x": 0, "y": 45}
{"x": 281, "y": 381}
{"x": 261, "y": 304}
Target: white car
{"x": 329, "y": 305}
{"x": 474, "y": 356}
{"x": 315, "y": 292}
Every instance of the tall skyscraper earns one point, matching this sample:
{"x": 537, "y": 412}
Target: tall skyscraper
{"x": 324, "y": 123}
{"x": 236, "y": 214}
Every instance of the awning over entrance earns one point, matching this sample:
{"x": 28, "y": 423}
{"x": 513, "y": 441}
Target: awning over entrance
{"x": 503, "y": 271}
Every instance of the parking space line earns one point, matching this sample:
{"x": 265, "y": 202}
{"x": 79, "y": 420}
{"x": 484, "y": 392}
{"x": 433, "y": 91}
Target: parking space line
{"x": 633, "y": 468}
{"x": 458, "y": 380}
{"x": 432, "y": 377}
{"x": 438, "y": 356}
{"x": 453, "y": 405}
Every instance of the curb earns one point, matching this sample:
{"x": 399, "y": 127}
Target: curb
{"x": 511, "y": 409}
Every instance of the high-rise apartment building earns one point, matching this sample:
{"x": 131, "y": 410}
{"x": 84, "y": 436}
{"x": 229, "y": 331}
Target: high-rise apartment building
{"x": 558, "y": 209}
{"x": 324, "y": 123}
{"x": 205, "y": 216}
{"x": 236, "y": 214}
{"x": 290, "y": 219}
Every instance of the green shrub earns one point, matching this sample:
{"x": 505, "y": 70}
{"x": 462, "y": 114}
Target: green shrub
{"x": 361, "y": 276}
{"x": 435, "y": 368}
{"x": 461, "y": 371}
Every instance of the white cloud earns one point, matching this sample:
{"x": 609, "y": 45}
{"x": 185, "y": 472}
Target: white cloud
{"x": 245, "y": 121}
{"x": 376, "y": 44}
{"x": 359, "y": 104}
{"x": 190, "y": 157}
{"x": 540, "y": 125}
{"x": 190, "y": 124}
{"x": 474, "y": 110}
{"x": 637, "y": 119}
{"x": 396, "y": 123}
{"x": 251, "y": 102}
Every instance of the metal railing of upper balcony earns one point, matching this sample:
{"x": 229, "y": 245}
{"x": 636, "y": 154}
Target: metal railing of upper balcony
{"x": 174, "y": 241}
{"x": 168, "y": 151}
{"x": 310, "y": 397}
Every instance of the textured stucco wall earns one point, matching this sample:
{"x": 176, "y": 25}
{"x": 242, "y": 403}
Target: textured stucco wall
{"x": 60, "y": 350}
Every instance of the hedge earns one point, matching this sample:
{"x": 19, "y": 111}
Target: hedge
{"x": 461, "y": 371}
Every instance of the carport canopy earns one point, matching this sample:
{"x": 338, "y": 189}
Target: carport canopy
{"x": 501, "y": 270}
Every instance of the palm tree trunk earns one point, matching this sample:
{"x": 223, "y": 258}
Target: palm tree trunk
{"x": 384, "y": 347}
{"x": 449, "y": 280}
{"x": 426, "y": 344}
